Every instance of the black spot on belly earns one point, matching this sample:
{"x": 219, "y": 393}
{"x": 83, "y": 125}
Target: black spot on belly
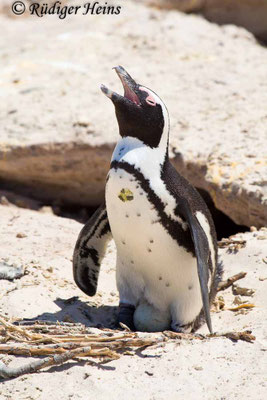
{"x": 190, "y": 287}
{"x": 138, "y": 215}
{"x": 137, "y": 186}
{"x": 167, "y": 284}
{"x": 127, "y": 215}
{"x": 160, "y": 278}
{"x": 123, "y": 242}
{"x": 151, "y": 241}
{"x": 132, "y": 262}
{"x": 149, "y": 250}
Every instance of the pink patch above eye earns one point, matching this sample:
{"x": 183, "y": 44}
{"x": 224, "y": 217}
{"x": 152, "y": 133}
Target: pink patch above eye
{"x": 150, "y": 100}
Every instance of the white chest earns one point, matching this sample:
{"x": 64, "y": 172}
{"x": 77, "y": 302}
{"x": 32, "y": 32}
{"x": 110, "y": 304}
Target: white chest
{"x": 133, "y": 218}
{"x": 149, "y": 259}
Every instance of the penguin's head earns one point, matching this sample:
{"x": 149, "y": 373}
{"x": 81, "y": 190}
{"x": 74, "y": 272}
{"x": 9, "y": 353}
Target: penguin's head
{"x": 140, "y": 112}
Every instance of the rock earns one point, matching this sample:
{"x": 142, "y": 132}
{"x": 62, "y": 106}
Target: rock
{"x": 12, "y": 199}
{"x": 59, "y": 131}
{"x": 10, "y": 272}
{"x": 5, "y": 8}
{"x": 181, "y": 5}
{"x": 21, "y": 235}
{"x": 251, "y": 14}
{"x": 4, "y": 201}
{"x": 46, "y": 210}
{"x": 70, "y": 172}
{"x": 215, "y": 365}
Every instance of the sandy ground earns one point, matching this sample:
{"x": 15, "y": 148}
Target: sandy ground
{"x": 57, "y": 129}
{"x": 211, "y": 369}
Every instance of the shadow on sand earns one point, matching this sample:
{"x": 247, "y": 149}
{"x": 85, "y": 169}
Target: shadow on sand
{"x": 77, "y": 311}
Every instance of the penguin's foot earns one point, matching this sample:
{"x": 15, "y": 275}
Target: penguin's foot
{"x": 187, "y": 328}
{"x": 148, "y": 318}
{"x": 126, "y": 313}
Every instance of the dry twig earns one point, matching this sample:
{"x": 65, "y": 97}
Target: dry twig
{"x": 229, "y": 282}
{"x": 245, "y": 336}
{"x": 232, "y": 244}
{"x": 63, "y": 343}
{"x": 245, "y": 305}
{"x": 34, "y": 366}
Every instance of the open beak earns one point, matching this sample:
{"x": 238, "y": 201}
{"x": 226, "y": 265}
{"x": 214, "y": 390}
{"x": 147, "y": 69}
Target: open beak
{"x": 129, "y": 85}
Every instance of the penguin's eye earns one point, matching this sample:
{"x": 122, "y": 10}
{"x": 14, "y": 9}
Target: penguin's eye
{"x": 150, "y": 101}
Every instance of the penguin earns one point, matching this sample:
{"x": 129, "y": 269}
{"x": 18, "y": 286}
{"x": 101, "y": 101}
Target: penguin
{"x": 167, "y": 269}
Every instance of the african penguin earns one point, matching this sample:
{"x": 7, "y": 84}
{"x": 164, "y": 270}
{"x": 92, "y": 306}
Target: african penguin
{"x": 167, "y": 269}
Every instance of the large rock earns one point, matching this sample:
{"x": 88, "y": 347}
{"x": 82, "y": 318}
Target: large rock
{"x": 219, "y": 368}
{"x": 181, "y": 5}
{"x": 58, "y": 130}
{"x": 251, "y": 14}
{"x": 68, "y": 172}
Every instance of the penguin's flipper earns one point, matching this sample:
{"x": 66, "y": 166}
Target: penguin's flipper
{"x": 90, "y": 249}
{"x": 201, "y": 245}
